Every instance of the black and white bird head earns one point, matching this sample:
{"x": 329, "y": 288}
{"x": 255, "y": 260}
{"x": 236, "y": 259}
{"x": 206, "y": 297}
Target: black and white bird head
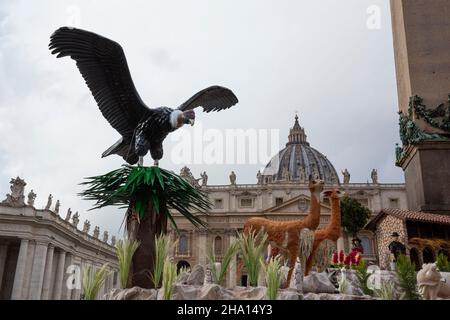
{"x": 179, "y": 118}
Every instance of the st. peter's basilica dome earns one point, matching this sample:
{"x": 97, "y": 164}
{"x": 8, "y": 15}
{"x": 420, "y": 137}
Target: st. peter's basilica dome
{"x": 298, "y": 160}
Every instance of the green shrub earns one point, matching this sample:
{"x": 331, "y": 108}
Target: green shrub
{"x": 363, "y": 276}
{"x": 354, "y": 215}
{"x": 252, "y": 247}
{"x": 218, "y": 275}
{"x": 93, "y": 283}
{"x": 406, "y": 273}
{"x": 169, "y": 278}
{"x": 343, "y": 285}
{"x": 163, "y": 246}
{"x": 387, "y": 291}
{"x": 125, "y": 250}
{"x": 273, "y": 277}
{"x": 442, "y": 263}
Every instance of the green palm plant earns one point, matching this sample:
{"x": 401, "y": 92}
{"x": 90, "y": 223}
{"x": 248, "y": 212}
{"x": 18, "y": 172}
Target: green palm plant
{"x": 343, "y": 286}
{"x": 251, "y": 247}
{"x": 406, "y": 273}
{"x": 163, "y": 246}
{"x": 273, "y": 277}
{"x": 218, "y": 275}
{"x": 181, "y": 273}
{"x": 363, "y": 276}
{"x": 93, "y": 283}
{"x": 387, "y": 291}
{"x": 149, "y": 194}
{"x": 442, "y": 263}
{"x": 169, "y": 278}
{"x": 125, "y": 250}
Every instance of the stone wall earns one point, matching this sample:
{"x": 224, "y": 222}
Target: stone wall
{"x": 385, "y": 228}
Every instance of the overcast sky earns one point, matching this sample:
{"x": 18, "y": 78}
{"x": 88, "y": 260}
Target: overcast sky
{"x": 328, "y": 60}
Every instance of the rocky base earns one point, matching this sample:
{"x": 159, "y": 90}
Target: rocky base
{"x": 215, "y": 292}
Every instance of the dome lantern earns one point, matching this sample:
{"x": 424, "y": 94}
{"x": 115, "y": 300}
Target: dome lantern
{"x": 297, "y": 134}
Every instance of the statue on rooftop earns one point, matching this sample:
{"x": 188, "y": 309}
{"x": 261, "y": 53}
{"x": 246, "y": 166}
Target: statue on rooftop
{"x": 57, "y": 205}
{"x": 204, "y": 178}
{"x": 374, "y": 176}
{"x": 186, "y": 173}
{"x": 346, "y": 175}
{"x": 75, "y": 219}
{"x": 259, "y": 177}
{"x": 49, "y": 202}
{"x": 31, "y": 198}
{"x": 105, "y": 236}
{"x": 113, "y": 240}
{"x": 16, "y": 198}
{"x": 69, "y": 214}
{"x": 233, "y": 178}
{"x": 86, "y": 226}
{"x": 96, "y": 232}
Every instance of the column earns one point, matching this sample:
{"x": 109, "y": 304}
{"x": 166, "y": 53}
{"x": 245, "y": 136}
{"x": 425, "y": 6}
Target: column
{"x": 201, "y": 247}
{"x": 59, "y": 277}
{"x": 37, "y": 271}
{"x": 48, "y": 273}
{"x": 20, "y": 270}
{"x": 340, "y": 242}
{"x": 66, "y": 292}
{"x": 111, "y": 279}
{"x": 77, "y": 293}
{"x": 3, "y": 253}
{"x": 114, "y": 285}
{"x": 232, "y": 268}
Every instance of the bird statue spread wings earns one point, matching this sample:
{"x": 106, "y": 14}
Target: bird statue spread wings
{"x": 103, "y": 65}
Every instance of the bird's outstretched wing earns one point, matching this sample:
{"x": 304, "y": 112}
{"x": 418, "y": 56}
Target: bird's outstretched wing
{"x": 103, "y": 65}
{"x": 214, "y": 98}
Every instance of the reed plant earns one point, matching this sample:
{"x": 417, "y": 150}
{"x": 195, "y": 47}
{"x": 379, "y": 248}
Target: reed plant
{"x": 93, "y": 282}
{"x": 251, "y": 247}
{"x": 125, "y": 250}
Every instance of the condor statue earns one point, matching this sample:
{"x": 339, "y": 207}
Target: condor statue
{"x": 103, "y": 65}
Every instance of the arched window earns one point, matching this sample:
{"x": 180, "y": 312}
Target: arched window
{"x": 366, "y": 243}
{"x": 183, "y": 245}
{"x": 414, "y": 257}
{"x": 183, "y": 264}
{"x": 218, "y": 245}
{"x": 428, "y": 255}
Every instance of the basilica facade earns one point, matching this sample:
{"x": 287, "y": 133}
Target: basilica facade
{"x": 280, "y": 193}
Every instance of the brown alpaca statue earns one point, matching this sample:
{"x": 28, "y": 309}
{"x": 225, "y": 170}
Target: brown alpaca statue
{"x": 332, "y": 231}
{"x": 285, "y": 235}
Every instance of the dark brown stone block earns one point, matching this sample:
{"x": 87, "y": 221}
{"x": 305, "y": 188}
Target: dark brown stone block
{"x": 427, "y": 175}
